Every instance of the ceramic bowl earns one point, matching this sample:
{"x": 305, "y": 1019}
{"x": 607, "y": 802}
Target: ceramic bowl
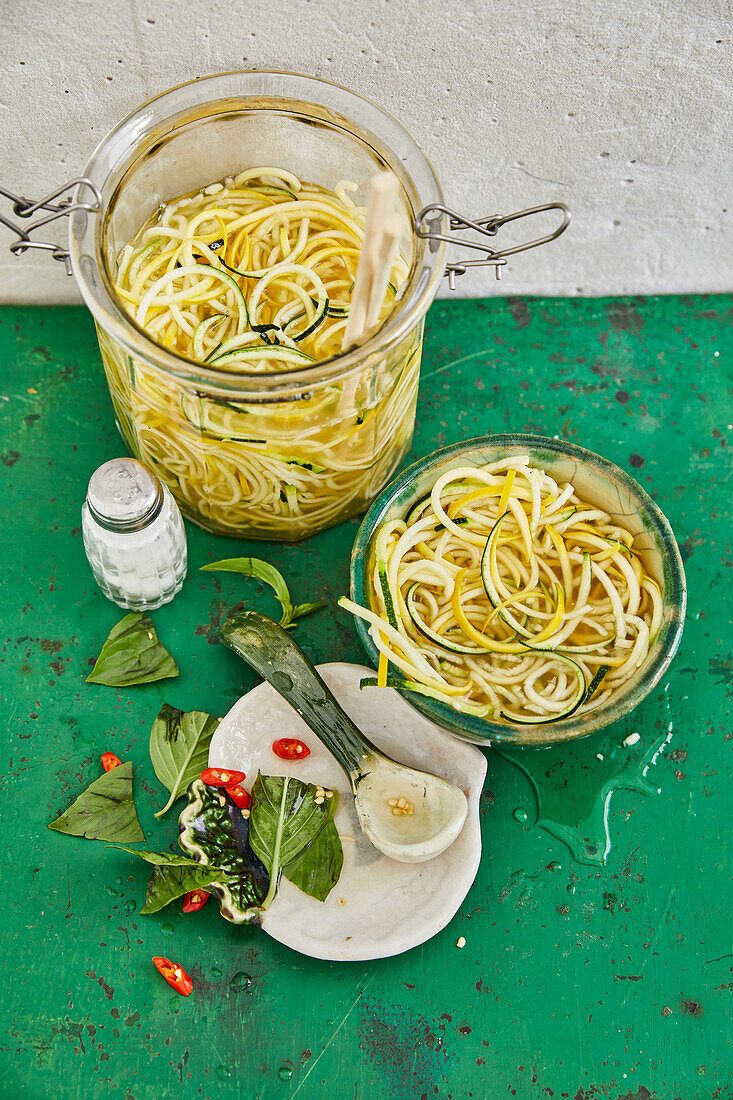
{"x": 599, "y": 482}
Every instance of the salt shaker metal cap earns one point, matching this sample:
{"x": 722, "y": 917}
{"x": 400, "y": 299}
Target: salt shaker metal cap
{"x": 124, "y": 496}
{"x": 133, "y": 535}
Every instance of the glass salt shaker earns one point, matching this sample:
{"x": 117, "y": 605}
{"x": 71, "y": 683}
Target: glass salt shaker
{"x": 133, "y": 536}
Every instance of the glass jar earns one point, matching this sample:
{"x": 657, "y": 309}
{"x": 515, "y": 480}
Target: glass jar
{"x": 285, "y": 454}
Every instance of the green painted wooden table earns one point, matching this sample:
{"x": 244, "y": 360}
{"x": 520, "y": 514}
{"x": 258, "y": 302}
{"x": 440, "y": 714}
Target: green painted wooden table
{"x": 576, "y": 980}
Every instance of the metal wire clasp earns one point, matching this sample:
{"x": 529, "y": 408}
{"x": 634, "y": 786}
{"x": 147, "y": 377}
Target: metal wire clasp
{"x": 428, "y": 222}
{"x": 26, "y": 208}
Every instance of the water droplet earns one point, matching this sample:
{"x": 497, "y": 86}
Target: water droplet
{"x": 240, "y": 981}
{"x": 281, "y": 681}
{"x": 554, "y": 866}
{"x": 130, "y": 907}
{"x": 222, "y": 1072}
{"x": 571, "y": 888}
{"x": 166, "y": 930}
{"x": 286, "y": 1071}
{"x": 118, "y": 881}
{"x": 520, "y": 815}
{"x": 215, "y": 972}
{"x": 110, "y": 891}
{"x": 574, "y": 784}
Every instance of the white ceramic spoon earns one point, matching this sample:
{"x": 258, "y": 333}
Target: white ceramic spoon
{"x": 438, "y": 807}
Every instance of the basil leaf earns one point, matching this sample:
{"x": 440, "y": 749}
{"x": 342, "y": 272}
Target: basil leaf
{"x": 132, "y": 655}
{"x": 179, "y": 748}
{"x": 173, "y": 876}
{"x": 302, "y": 609}
{"x": 215, "y": 828}
{"x": 319, "y": 869}
{"x": 254, "y": 567}
{"x": 263, "y": 571}
{"x": 169, "y": 882}
{"x": 284, "y": 825}
{"x": 163, "y": 859}
{"x": 105, "y": 811}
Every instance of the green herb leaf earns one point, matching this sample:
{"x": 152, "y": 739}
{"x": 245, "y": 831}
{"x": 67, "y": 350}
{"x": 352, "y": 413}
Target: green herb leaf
{"x": 170, "y": 882}
{"x": 179, "y": 748}
{"x": 319, "y": 869}
{"x": 105, "y": 811}
{"x": 132, "y": 655}
{"x": 263, "y": 571}
{"x": 285, "y": 824}
{"x": 173, "y": 876}
{"x": 302, "y": 609}
{"x": 163, "y": 859}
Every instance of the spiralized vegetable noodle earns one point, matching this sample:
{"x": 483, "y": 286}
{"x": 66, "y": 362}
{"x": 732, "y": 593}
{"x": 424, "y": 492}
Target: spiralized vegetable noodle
{"x": 506, "y": 595}
{"x": 254, "y": 274}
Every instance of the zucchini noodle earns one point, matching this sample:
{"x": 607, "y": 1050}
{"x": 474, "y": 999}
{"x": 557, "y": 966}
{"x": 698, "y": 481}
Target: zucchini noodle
{"x": 254, "y": 274}
{"x": 504, "y": 594}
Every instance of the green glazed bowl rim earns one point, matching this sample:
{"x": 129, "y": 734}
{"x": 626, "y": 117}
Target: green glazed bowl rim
{"x": 396, "y": 499}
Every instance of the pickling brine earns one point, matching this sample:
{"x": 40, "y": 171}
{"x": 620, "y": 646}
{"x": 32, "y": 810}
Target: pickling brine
{"x": 251, "y": 279}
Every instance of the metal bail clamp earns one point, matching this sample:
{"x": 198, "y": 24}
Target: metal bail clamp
{"x": 26, "y": 208}
{"x": 428, "y": 225}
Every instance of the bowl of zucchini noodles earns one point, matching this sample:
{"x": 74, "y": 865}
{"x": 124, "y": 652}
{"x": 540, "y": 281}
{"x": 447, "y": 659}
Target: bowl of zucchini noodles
{"x": 517, "y": 589}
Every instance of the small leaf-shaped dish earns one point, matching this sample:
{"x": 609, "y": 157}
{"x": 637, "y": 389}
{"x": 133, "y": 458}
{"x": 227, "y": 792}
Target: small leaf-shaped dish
{"x": 213, "y": 830}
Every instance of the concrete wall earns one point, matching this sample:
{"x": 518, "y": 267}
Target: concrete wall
{"x": 622, "y": 109}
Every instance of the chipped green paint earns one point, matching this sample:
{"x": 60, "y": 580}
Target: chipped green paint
{"x": 591, "y": 981}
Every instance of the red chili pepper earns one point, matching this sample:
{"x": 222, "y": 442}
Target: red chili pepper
{"x": 290, "y": 748}
{"x": 238, "y": 795}
{"x": 221, "y": 777}
{"x": 194, "y": 900}
{"x": 110, "y": 761}
{"x": 175, "y": 975}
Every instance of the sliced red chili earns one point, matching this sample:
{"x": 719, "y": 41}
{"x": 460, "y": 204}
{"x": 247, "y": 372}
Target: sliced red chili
{"x": 238, "y": 795}
{"x": 110, "y": 761}
{"x": 194, "y": 900}
{"x": 221, "y": 777}
{"x": 175, "y": 975}
{"x": 290, "y": 748}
